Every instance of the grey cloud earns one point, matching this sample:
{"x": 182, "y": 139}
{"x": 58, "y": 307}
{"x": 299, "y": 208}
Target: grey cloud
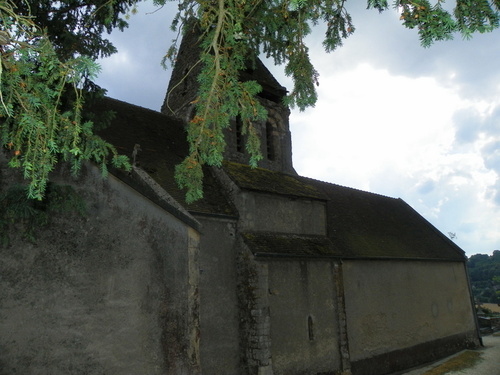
{"x": 379, "y": 39}
{"x": 468, "y": 125}
{"x": 492, "y": 123}
{"x": 493, "y": 193}
{"x": 382, "y": 40}
{"x": 426, "y": 187}
{"x": 496, "y": 198}
{"x": 140, "y": 79}
{"x": 491, "y": 155}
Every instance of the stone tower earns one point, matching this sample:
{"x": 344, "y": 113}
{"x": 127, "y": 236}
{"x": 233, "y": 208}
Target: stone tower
{"x": 276, "y": 145}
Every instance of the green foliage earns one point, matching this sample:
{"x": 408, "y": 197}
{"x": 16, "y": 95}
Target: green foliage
{"x": 48, "y": 47}
{"x": 37, "y": 127}
{"x": 235, "y": 32}
{"x": 433, "y": 22}
{"x": 76, "y": 27}
{"x": 23, "y": 215}
{"x": 484, "y": 274}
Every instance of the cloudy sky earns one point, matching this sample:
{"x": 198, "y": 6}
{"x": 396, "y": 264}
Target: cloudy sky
{"x": 392, "y": 117}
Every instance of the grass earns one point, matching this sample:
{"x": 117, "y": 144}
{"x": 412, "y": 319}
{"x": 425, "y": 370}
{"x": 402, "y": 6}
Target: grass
{"x": 462, "y": 361}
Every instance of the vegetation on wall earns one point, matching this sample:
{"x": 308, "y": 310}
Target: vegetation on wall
{"x": 23, "y": 215}
{"x": 48, "y": 50}
{"x": 484, "y": 272}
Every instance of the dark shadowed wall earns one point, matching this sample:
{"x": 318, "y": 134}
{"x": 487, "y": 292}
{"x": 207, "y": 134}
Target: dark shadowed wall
{"x": 113, "y": 292}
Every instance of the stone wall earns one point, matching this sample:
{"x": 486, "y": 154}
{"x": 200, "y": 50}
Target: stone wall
{"x": 111, "y": 292}
{"x": 253, "y": 298}
{"x": 275, "y": 139}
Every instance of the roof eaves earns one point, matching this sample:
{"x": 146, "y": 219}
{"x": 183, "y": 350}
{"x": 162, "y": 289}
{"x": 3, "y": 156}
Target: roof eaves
{"x": 263, "y": 255}
{"x": 448, "y": 241}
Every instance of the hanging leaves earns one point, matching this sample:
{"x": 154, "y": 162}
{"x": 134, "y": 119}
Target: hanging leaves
{"x": 40, "y": 68}
{"x": 235, "y": 31}
{"x": 36, "y": 125}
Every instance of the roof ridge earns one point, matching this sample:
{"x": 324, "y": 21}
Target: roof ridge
{"x": 139, "y": 107}
{"x": 348, "y": 187}
{"x": 263, "y": 179}
{"x": 457, "y": 248}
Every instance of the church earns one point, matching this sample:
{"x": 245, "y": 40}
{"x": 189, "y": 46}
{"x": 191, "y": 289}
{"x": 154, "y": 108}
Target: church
{"x": 270, "y": 273}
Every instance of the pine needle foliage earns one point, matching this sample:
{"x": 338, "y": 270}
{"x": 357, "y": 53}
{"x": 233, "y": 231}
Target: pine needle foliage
{"x": 235, "y": 32}
{"x": 37, "y": 126}
{"x": 47, "y": 49}
{"x": 78, "y": 27}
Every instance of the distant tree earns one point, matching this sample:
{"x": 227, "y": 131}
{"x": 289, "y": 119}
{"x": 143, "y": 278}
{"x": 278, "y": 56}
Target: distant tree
{"x": 484, "y": 271}
{"x": 68, "y": 35}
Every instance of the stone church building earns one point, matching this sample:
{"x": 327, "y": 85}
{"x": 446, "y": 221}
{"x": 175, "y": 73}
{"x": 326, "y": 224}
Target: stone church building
{"x": 269, "y": 273}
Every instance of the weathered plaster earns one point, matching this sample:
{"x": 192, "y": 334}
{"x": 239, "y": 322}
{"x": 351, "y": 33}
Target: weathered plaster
{"x": 219, "y": 315}
{"x": 392, "y": 305}
{"x": 111, "y": 292}
{"x": 304, "y": 315}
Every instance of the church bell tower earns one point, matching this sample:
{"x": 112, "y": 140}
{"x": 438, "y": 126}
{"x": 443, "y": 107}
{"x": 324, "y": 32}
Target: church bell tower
{"x": 274, "y": 133}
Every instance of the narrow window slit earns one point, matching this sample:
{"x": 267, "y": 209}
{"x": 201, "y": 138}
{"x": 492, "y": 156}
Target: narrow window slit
{"x": 310, "y": 327}
{"x": 269, "y": 141}
{"x": 239, "y": 134}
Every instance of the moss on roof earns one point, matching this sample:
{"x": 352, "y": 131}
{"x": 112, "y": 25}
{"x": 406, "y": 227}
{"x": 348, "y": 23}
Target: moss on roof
{"x": 367, "y": 225}
{"x": 292, "y": 245}
{"x": 264, "y": 180}
{"x": 163, "y": 145}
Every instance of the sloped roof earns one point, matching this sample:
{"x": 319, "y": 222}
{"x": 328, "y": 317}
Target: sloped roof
{"x": 163, "y": 143}
{"x": 264, "y": 180}
{"x": 359, "y": 224}
{"x": 368, "y": 225}
{"x": 286, "y": 245}
{"x": 271, "y": 88}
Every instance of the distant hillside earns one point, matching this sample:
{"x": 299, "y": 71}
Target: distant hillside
{"x": 484, "y": 271}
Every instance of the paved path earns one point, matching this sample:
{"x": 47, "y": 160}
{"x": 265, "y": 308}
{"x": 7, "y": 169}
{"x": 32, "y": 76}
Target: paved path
{"x": 488, "y": 365}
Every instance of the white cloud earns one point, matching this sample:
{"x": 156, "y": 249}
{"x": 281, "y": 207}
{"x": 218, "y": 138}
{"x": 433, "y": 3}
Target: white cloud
{"x": 368, "y": 119}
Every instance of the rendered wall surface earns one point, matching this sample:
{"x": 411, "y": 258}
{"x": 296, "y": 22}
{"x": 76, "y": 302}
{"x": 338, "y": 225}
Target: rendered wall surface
{"x": 270, "y": 213}
{"x": 219, "y": 315}
{"x": 396, "y": 306}
{"x": 303, "y": 317}
{"x": 110, "y": 293}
